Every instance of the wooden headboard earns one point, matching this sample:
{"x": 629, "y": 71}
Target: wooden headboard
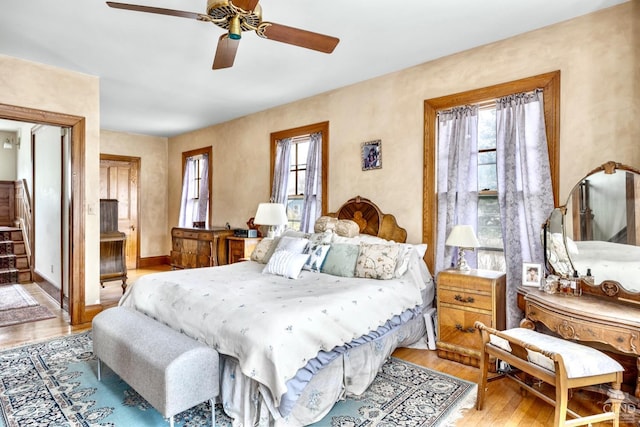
{"x": 371, "y": 220}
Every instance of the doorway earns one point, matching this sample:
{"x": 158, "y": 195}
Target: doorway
{"x": 77, "y": 308}
{"x": 119, "y": 180}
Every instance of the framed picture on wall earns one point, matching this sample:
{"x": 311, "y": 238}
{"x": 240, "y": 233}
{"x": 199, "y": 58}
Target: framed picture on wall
{"x": 371, "y": 154}
{"x": 531, "y": 274}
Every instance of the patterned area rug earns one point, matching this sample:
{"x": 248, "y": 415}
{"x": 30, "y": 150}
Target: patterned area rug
{"x": 15, "y": 296}
{"x": 54, "y": 383}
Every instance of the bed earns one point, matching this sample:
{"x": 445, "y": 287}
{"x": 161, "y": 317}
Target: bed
{"x": 290, "y": 348}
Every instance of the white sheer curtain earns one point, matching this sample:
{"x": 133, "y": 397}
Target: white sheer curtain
{"x": 524, "y": 186}
{"x": 457, "y": 178}
{"x": 194, "y": 209}
{"x": 281, "y": 171}
{"x": 312, "y": 205}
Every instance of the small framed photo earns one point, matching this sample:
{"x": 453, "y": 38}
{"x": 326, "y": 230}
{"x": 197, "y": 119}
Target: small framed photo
{"x": 531, "y": 274}
{"x": 371, "y": 154}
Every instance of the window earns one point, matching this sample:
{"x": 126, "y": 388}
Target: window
{"x": 298, "y": 168}
{"x": 194, "y": 206}
{"x": 550, "y": 82}
{"x": 490, "y": 252}
{"x": 297, "y": 179}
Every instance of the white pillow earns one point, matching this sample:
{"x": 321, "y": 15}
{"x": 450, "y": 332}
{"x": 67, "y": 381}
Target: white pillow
{"x": 292, "y": 244}
{"x": 286, "y": 264}
{"x": 377, "y": 261}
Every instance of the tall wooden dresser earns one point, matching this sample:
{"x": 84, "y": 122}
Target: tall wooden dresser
{"x": 199, "y": 247}
{"x": 463, "y": 298}
{"x": 113, "y": 265}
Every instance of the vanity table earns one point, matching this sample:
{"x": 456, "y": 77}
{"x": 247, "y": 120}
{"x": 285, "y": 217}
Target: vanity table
{"x": 596, "y": 233}
{"x": 586, "y": 318}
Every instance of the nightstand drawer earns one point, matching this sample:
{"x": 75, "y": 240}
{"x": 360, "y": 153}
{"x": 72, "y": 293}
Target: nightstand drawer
{"x": 466, "y": 299}
{"x": 456, "y": 327}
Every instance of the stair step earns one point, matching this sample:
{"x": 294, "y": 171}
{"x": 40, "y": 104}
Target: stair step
{"x": 9, "y": 275}
{"x": 8, "y": 261}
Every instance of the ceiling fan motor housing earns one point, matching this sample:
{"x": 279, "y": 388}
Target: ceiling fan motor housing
{"x": 222, "y": 12}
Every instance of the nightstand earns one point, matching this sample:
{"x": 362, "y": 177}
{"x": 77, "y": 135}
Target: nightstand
{"x": 463, "y": 298}
{"x": 240, "y": 248}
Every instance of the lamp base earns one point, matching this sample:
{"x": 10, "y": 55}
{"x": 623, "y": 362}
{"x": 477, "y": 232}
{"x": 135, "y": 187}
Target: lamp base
{"x": 462, "y": 261}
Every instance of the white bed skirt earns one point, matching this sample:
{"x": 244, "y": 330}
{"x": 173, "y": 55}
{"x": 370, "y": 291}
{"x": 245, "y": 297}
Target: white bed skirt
{"x": 250, "y": 404}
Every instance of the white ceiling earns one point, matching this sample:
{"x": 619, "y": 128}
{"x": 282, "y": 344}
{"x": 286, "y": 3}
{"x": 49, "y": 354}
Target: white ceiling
{"x": 155, "y": 70}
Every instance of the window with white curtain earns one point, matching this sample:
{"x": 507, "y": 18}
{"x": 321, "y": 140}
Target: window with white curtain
{"x": 304, "y": 183}
{"x": 194, "y": 206}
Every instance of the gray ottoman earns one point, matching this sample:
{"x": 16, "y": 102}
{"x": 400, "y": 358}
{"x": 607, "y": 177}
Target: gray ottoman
{"x": 172, "y": 371}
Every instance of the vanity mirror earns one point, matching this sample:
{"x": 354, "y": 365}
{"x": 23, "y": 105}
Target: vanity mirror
{"x": 597, "y": 233}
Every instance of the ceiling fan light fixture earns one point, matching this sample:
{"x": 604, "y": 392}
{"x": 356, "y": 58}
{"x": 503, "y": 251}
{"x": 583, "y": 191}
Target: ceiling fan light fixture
{"x": 235, "y": 32}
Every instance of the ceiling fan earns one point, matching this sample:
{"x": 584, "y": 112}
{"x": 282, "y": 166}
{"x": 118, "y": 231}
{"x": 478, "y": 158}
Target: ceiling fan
{"x": 237, "y": 16}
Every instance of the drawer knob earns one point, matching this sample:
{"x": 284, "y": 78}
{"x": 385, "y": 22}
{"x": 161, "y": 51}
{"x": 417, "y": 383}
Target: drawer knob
{"x": 464, "y": 300}
{"x": 463, "y": 329}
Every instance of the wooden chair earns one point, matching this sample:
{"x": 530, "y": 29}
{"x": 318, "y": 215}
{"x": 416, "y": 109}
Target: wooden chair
{"x": 561, "y": 363}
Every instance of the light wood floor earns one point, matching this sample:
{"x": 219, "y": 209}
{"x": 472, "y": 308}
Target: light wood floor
{"x": 505, "y": 405}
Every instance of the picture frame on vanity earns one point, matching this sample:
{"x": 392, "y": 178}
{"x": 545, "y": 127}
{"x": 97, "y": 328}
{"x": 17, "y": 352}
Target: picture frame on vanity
{"x": 371, "y": 155}
{"x": 531, "y": 274}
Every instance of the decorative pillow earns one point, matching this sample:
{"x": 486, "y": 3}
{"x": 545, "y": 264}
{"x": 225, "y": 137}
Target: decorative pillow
{"x": 341, "y": 260}
{"x": 260, "y": 252}
{"x": 292, "y": 244}
{"x": 377, "y": 261}
{"x": 290, "y": 232}
{"x": 347, "y": 228}
{"x": 349, "y": 240}
{"x": 325, "y": 223}
{"x": 323, "y": 237}
{"x": 317, "y": 253}
{"x": 286, "y": 264}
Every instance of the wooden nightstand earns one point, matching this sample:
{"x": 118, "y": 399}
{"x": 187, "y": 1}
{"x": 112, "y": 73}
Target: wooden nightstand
{"x": 463, "y": 298}
{"x": 240, "y": 248}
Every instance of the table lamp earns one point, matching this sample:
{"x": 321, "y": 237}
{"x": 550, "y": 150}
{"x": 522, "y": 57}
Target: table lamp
{"x": 463, "y": 237}
{"x": 271, "y": 214}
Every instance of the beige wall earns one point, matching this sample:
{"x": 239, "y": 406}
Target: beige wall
{"x": 152, "y": 152}
{"x": 32, "y": 85}
{"x": 599, "y": 92}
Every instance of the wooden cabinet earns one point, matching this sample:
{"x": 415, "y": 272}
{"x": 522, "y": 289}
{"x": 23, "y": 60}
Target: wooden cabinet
{"x": 240, "y": 248}
{"x": 199, "y": 247}
{"x": 463, "y": 298}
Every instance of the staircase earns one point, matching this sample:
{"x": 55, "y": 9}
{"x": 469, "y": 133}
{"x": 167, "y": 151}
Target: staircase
{"x": 14, "y": 262}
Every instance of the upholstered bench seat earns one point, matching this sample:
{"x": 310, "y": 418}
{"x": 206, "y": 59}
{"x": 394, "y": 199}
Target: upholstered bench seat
{"x": 170, "y": 370}
{"x": 558, "y": 362}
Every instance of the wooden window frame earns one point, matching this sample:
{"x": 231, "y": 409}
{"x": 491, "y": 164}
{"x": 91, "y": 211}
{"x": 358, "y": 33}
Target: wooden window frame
{"x": 322, "y": 127}
{"x": 549, "y": 82}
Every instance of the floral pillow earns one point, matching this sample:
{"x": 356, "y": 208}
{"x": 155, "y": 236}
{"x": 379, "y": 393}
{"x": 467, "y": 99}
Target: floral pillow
{"x": 259, "y": 254}
{"x": 286, "y": 264}
{"x": 317, "y": 254}
{"x": 341, "y": 260}
{"x": 377, "y": 261}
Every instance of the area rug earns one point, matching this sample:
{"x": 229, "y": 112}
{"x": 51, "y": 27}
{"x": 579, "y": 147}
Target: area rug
{"x": 53, "y": 383}
{"x": 15, "y": 296}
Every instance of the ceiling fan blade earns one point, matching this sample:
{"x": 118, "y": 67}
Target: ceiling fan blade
{"x": 298, "y": 37}
{"x": 225, "y": 53}
{"x": 246, "y": 5}
{"x": 159, "y": 10}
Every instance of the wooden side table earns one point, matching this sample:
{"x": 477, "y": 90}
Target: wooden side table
{"x": 463, "y": 298}
{"x": 240, "y": 248}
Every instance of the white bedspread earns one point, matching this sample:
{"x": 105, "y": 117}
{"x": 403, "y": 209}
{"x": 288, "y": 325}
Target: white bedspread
{"x": 271, "y": 324}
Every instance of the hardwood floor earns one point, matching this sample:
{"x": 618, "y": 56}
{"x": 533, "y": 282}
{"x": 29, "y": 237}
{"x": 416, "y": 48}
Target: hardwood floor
{"x": 505, "y": 405}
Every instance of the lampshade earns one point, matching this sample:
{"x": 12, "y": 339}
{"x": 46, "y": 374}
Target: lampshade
{"x": 271, "y": 214}
{"x": 462, "y": 236}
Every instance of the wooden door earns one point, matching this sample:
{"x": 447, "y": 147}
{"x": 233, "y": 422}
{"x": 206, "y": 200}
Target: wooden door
{"x": 119, "y": 180}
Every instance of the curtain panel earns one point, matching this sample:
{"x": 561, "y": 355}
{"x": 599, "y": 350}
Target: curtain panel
{"x": 525, "y": 193}
{"x": 457, "y": 179}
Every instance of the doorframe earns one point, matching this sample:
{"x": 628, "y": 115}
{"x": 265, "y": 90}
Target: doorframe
{"x": 78, "y": 311}
{"x": 135, "y": 162}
